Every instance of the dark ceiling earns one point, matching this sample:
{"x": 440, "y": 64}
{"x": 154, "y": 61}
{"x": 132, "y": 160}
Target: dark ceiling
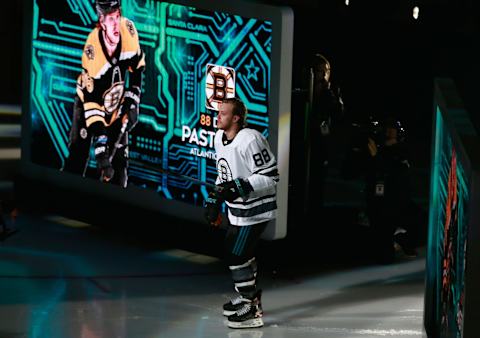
{"x": 384, "y": 59}
{"x": 381, "y": 56}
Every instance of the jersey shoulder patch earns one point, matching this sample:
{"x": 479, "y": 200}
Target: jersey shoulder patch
{"x": 90, "y": 52}
{"x": 130, "y": 27}
{"x": 92, "y": 44}
{"x": 130, "y": 42}
{"x": 93, "y": 59}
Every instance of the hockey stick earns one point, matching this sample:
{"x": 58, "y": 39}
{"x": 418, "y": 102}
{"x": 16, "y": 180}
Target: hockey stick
{"x": 115, "y": 147}
{"x": 119, "y": 139}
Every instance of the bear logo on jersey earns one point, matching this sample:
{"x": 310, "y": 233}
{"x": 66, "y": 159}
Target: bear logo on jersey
{"x": 130, "y": 27}
{"x": 224, "y": 171}
{"x": 113, "y": 96}
{"x": 83, "y": 133}
{"x": 89, "y": 52}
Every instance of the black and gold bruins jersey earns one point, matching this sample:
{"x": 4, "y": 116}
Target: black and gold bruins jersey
{"x": 101, "y": 86}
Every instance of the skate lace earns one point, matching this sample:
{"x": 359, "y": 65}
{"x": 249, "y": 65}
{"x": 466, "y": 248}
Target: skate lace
{"x": 245, "y": 309}
{"x": 236, "y": 300}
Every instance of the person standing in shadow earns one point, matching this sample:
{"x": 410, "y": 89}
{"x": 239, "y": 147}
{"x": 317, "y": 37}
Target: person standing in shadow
{"x": 387, "y": 191}
{"x": 326, "y": 108}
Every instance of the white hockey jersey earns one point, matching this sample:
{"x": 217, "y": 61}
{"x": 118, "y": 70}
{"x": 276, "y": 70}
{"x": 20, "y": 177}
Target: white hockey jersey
{"x": 248, "y": 156}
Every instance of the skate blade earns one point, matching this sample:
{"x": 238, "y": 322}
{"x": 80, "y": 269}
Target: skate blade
{"x": 227, "y": 313}
{"x": 257, "y": 322}
{"x": 246, "y": 333}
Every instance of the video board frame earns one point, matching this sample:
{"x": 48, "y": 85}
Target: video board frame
{"x": 281, "y": 19}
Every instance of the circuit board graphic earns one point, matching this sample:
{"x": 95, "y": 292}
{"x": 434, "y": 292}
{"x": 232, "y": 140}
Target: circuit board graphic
{"x": 175, "y": 129}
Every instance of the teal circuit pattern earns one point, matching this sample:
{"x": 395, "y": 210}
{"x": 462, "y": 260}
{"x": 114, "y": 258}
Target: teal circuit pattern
{"x": 175, "y": 130}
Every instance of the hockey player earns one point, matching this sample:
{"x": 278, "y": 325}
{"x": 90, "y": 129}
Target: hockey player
{"x": 247, "y": 178}
{"x": 105, "y": 109}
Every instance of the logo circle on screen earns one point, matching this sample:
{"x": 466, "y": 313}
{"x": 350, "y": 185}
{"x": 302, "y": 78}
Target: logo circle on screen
{"x": 219, "y": 85}
{"x": 83, "y": 133}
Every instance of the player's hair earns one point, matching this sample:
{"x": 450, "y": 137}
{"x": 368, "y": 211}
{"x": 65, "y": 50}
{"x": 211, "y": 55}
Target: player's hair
{"x": 239, "y": 109}
{"x": 318, "y": 61}
{"x": 105, "y": 7}
{"x": 320, "y": 64}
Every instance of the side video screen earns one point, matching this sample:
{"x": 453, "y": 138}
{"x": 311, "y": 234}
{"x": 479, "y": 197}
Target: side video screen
{"x": 449, "y": 219}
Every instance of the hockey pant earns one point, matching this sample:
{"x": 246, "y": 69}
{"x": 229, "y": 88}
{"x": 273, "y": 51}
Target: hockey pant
{"x": 240, "y": 246}
{"x": 80, "y": 142}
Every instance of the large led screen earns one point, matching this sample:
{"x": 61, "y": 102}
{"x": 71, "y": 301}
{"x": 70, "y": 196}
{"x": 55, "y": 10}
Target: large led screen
{"x": 448, "y": 230}
{"x": 176, "y": 62}
{"x": 452, "y": 273}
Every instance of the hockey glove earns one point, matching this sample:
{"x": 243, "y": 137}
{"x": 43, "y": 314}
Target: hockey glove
{"x": 130, "y": 106}
{"x": 213, "y": 215}
{"x": 102, "y": 157}
{"x": 234, "y": 189}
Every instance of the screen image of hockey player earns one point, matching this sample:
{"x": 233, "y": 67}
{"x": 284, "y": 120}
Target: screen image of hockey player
{"x": 193, "y": 58}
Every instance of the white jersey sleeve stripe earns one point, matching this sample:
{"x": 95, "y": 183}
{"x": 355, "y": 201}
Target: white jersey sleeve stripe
{"x": 272, "y": 167}
{"x": 254, "y": 211}
{"x": 254, "y": 203}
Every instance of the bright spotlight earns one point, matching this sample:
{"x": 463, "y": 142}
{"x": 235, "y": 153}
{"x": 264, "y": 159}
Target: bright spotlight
{"x": 416, "y": 11}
